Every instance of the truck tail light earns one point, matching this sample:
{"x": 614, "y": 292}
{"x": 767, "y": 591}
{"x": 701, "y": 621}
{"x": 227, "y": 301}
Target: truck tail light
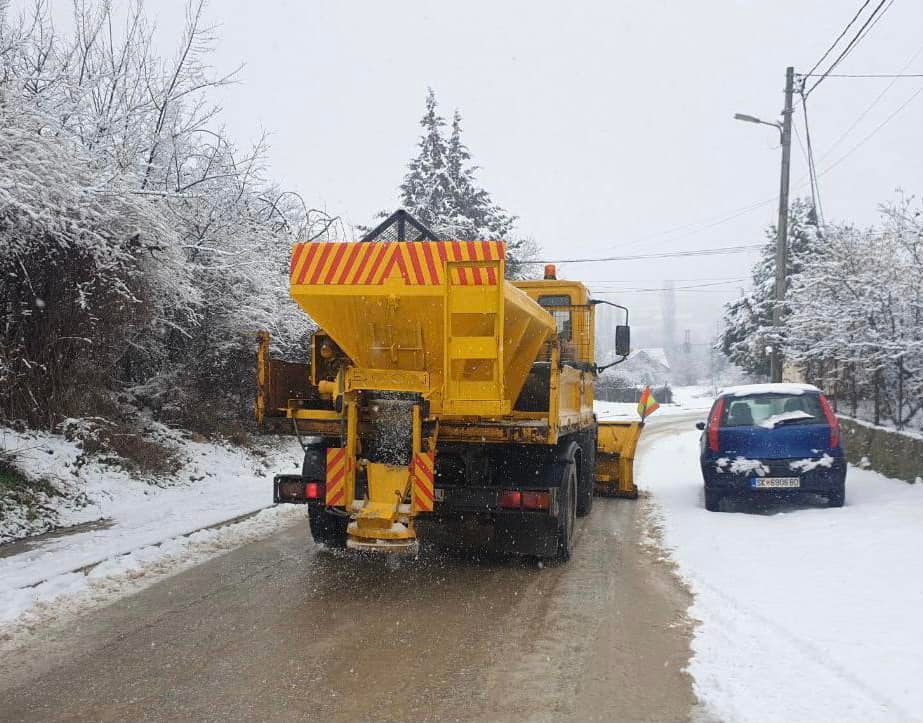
{"x": 511, "y": 499}
{"x": 314, "y": 490}
{"x": 832, "y": 421}
{"x": 525, "y": 500}
{"x": 714, "y": 424}
{"x": 536, "y": 501}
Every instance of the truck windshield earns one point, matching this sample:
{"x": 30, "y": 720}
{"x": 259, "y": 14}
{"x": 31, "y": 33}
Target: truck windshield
{"x": 772, "y": 410}
{"x": 562, "y": 317}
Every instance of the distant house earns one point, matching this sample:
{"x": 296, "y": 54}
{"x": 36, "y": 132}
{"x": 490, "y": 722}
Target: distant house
{"x": 645, "y": 367}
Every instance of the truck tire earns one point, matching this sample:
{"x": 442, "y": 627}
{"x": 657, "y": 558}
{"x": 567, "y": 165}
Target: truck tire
{"x": 713, "y": 500}
{"x": 314, "y": 466}
{"x": 586, "y": 466}
{"x": 567, "y": 515}
{"x": 327, "y": 529}
{"x": 837, "y": 497}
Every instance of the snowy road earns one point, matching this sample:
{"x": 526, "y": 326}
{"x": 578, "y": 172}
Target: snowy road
{"x": 278, "y": 629}
{"x": 802, "y": 613}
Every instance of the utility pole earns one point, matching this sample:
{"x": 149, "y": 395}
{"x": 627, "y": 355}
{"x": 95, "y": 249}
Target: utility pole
{"x": 782, "y": 227}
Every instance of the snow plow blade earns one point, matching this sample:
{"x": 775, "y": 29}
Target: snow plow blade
{"x": 615, "y": 458}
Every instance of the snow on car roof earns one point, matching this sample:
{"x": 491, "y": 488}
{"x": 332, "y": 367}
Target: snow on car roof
{"x": 748, "y": 389}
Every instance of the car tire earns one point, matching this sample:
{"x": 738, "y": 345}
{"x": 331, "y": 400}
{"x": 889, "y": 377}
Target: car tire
{"x": 327, "y": 529}
{"x": 713, "y": 500}
{"x": 837, "y": 497}
{"x": 567, "y": 515}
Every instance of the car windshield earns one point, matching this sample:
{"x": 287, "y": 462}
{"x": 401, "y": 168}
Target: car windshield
{"x": 772, "y": 410}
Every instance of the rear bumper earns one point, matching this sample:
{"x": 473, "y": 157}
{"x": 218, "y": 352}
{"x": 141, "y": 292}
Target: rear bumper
{"x": 471, "y": 517}
{"x": 519, "y": 533}
{"x": 819, "y": 480}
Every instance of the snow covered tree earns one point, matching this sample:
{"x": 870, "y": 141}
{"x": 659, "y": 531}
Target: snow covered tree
{"x": 427, "y": 191}
{"x": 856, "y": 321}
{"x": 748, "y": 327}
{"x": 140, "y": 249}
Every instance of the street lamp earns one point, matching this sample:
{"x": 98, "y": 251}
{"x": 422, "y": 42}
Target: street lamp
{"x": 785, "y": 137}
{"x": 753, "y": 119}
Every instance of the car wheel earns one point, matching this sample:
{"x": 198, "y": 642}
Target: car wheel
{"x": 837, "y": 497}
{"x": 713, "y": 500}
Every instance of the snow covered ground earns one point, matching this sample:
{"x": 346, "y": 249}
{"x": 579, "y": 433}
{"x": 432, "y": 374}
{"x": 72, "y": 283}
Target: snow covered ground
{"x": 125, "y": 519}
{"x": 804, "y": 613}
{"x": 685, "y": 400}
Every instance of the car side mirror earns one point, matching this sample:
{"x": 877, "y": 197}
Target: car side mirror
{"x": 622, "y": 340}
{"x": 700, "y": 426}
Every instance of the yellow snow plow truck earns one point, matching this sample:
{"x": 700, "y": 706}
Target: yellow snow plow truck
{"x": 441, "y": 400}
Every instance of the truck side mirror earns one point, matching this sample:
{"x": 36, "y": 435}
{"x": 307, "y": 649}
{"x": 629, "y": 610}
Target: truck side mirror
{"x": 622, "y": 340}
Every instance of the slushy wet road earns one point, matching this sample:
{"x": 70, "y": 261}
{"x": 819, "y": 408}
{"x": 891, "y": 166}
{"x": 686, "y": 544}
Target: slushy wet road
{"x": 285, "y": 630}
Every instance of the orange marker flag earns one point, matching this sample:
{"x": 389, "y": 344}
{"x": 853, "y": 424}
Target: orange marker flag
{"x": 648, "y": 405}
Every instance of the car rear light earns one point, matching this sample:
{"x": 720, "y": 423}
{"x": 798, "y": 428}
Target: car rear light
{"x": 511, "y": 499}
{"x": 832, "y": 421}
{"x": 314, "y": 491}
{"x": 714, "y": 423}
{"x": 536, "y": 500}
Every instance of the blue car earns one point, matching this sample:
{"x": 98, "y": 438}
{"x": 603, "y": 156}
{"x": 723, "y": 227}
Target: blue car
{"x": 772, "y": 440}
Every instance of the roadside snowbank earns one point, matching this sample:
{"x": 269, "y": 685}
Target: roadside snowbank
{"x": 29, "y": 607}
{"x": 685, "y": 399}
{"x": 805, "y": 613}
{"x": 124, "y": 514}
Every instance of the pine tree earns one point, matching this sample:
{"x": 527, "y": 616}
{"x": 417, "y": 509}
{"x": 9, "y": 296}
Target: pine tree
{"x": 441, "y": 190}
{"x": 427, "y": 191}
{"x": 748, "y": 327}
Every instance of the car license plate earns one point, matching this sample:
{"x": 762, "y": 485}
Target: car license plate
{"x": 762, "y": 483}
{"x": 440, "y": 494}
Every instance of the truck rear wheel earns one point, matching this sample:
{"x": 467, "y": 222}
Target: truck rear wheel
{"x": 327, "y": 529}
{"x": 567, "y": 514}
{"x": 586, "y": 464}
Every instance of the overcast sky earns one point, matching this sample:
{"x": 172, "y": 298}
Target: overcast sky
{"x": 605, "y": 126}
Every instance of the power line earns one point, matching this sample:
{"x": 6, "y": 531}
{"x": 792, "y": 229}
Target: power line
{"x": 874, "y": 131}
{"x": 839, "y": 37}
{"x": 677, "y": 288}
{"x": 849, "y": 46}
{"x": 744, "y": 248}
{"x": 812, "y": 169}
{"x": 877, "y": 20}
{"x": 871, "y": 105}
{"x": 696, "y": 281}
{"x": 807, "y": 161}
{"x": 622, "y": 292}
{"x": 866, "y": 75}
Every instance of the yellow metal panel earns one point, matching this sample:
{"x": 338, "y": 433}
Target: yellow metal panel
{"x": 615, "y": 455}
{"x": 473, "y": 347}
{"x": 399, "y": 380}
{"x": 474, "y": 299}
